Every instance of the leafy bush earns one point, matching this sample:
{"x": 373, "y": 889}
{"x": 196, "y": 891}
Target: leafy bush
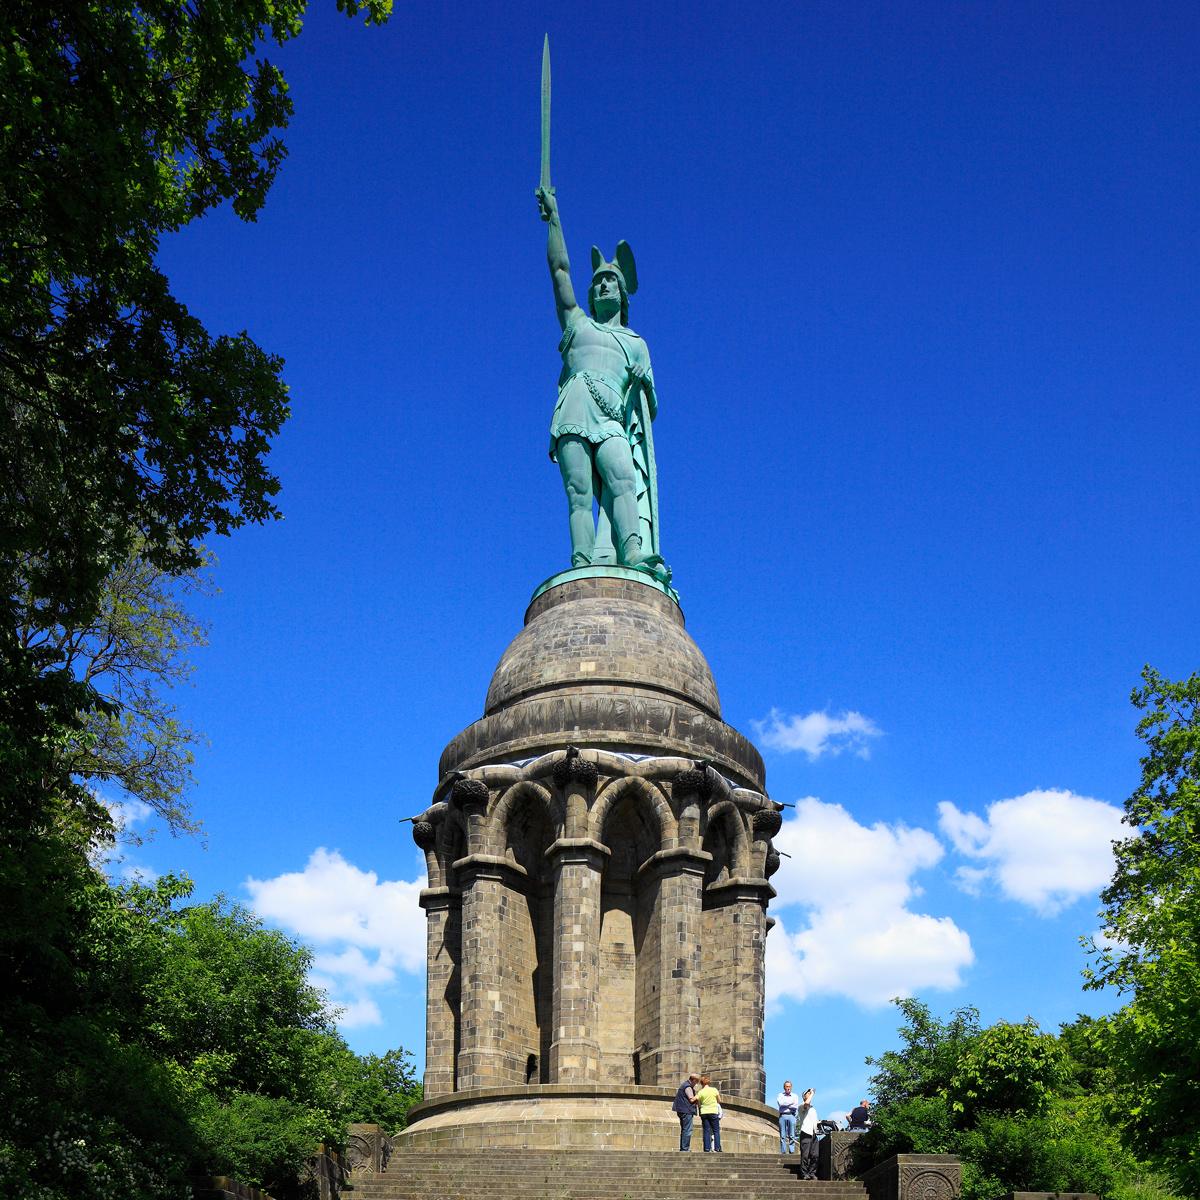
{"x": 176, "y": 1041}
{"x": 1023, "y": 1109}
{"x": 259, "y": 1140}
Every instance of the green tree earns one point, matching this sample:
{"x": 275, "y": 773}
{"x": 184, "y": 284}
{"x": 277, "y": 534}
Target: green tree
{"x": 131, "y": 653}
{"x": 1005, "y": 1098}
{"x": 227, "y": 1007}
{"x": 1151, "y": 949}
{"x": 121, "y": 417}
{"x": 130, "y": 434}
{"x": 930, "y": 1050}
{"x": 382, "y": 1088}
{"x": 1006, "y": 1068}
{"x": 187, "y": 1040}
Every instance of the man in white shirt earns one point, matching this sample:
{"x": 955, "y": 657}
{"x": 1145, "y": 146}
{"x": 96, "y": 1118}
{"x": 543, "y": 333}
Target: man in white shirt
{"x": 808, "y": 1136}
{"x": 789, "y": 1106}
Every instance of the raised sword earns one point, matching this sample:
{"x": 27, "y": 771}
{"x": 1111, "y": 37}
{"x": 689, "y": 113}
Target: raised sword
{"x": 545, "y": 180}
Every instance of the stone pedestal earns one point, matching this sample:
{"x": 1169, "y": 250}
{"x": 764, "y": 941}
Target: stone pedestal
{"x": 915, "y": 1177}
{"x": 836, "y": 1155}
{"x": 597, "y": 848}
{"x": 583, "y": 1117}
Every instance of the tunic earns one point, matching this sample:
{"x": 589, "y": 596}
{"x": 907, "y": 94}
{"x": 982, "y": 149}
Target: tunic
{"x": 593, "y": 404}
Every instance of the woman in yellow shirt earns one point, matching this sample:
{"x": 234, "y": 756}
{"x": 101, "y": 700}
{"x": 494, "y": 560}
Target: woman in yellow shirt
{"x": 709, "y": 1100}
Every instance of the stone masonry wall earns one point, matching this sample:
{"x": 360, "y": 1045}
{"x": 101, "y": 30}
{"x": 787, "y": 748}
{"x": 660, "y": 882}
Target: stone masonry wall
{"x": 647, "y": 1017}
{"x": 520, "y": 1036}
{"x": 587, "y": 933}
{"x": 718, "y": 983}
{"x": 442, "y": 999}
{"x": 618, "y": 984}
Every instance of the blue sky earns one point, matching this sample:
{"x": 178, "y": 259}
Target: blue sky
{"x": 920, "y": 287}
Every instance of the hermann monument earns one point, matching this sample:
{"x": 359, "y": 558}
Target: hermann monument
{"x": 599, "y": 842}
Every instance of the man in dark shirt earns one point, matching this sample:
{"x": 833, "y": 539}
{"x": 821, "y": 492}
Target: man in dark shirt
{"x": 860, "y": 1116}
{"x": 685, "y": 1109}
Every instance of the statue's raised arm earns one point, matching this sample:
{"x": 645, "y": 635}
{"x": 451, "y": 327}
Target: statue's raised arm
{"x": 556, "y": 256}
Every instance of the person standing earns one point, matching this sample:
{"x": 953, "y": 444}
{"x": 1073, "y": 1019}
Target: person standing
{"x": 685, "y": 1109}
{"x": 808, "y": 1136}
{"x": 789, "y": 1106}
{"x": 709, "y": 1100}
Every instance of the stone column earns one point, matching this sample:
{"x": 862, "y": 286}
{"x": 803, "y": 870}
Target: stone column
{"x": 576, "y": 776}
{"x": 471, "y": 795}
{"x": 764, "y": 825}
{"x": 742, "y": 905}
{"x": 480, "y": 1058}
{"x": 484, "y": 1057}
{"x": 680, "y": 899}
{"x": 443, "y": 950}
{"x": 575, "y": 1047}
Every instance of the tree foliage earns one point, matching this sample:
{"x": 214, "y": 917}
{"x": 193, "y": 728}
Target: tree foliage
{"x": 122, "y": 122}
{"x": 382, "y": 1088}
{"x": 1024, "y": 1110}
{"x": 130, "y": 433}
{"x": 1151, "y": 949}
{"x": 122, "y": 418}
{"x": 187, "y": 1041}
{"x": 132, "y": 652}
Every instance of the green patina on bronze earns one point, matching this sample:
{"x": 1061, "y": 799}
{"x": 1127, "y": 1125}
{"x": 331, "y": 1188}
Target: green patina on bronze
{"x": 600, "y": 431}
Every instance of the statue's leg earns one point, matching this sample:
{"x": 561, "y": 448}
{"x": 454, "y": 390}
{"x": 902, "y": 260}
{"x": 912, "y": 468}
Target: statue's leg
{"x": 614, "y": 464}
{"x": 574, "y": 456}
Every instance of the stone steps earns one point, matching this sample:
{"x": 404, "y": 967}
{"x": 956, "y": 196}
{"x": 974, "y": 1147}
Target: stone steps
{"x": 624, "y": 1190}
{"x": 605, "y": 1189}
{"x": 590, "y": 1175}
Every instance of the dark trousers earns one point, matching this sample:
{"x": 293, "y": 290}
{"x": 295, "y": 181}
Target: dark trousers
{"x": 685, "y": 1130}
{"x": 711, "y": 1125}
{"x": 808, "y": 1156}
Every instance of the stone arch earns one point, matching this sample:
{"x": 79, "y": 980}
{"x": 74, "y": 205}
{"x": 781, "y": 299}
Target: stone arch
{"x": 507, "y": 806}
{"x": 633, "y": 821}
{"x": 522, "y": 823}
{"x": 615, "y": 790}
{"x": 726, "y": 840}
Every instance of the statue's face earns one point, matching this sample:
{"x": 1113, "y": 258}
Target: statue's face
{"x": 606, "y": 294}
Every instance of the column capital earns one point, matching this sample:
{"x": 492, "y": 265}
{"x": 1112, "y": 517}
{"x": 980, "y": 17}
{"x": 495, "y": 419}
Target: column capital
{"x": 573, "y": 767}
{"x": 438, "y": 899}
{"x": 766, "y": 822}
{"x": 491, "y": 866}
{"x": 578, "y": 850}
{"x": 740, "y": 891}
{"x": 678, "y": 860}
{"x": 694, "y": 782}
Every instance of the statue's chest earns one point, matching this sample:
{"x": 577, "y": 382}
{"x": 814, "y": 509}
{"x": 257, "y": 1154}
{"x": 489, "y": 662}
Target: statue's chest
{"x": 595, "y": 348}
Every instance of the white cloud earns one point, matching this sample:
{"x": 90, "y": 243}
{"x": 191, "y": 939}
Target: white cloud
{"x": 862, "y": 940}
{"x": 359, "y": 1014}
{"x": 114, "y": 859}
{"x": 1045, "y": 849}
{"x": 362, "y": 928}
{"x": 971, "y": 879}
{"x": 126, "y": 813}
{"x": 818, "y": 733}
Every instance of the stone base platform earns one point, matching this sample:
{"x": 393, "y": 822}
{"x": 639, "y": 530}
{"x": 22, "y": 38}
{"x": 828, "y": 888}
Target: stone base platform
{"x": 559, "y": 1116}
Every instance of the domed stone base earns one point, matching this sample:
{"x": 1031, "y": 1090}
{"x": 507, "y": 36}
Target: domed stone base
{"x": 577, "y": 1117}
{"x": 603, "y": 660}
